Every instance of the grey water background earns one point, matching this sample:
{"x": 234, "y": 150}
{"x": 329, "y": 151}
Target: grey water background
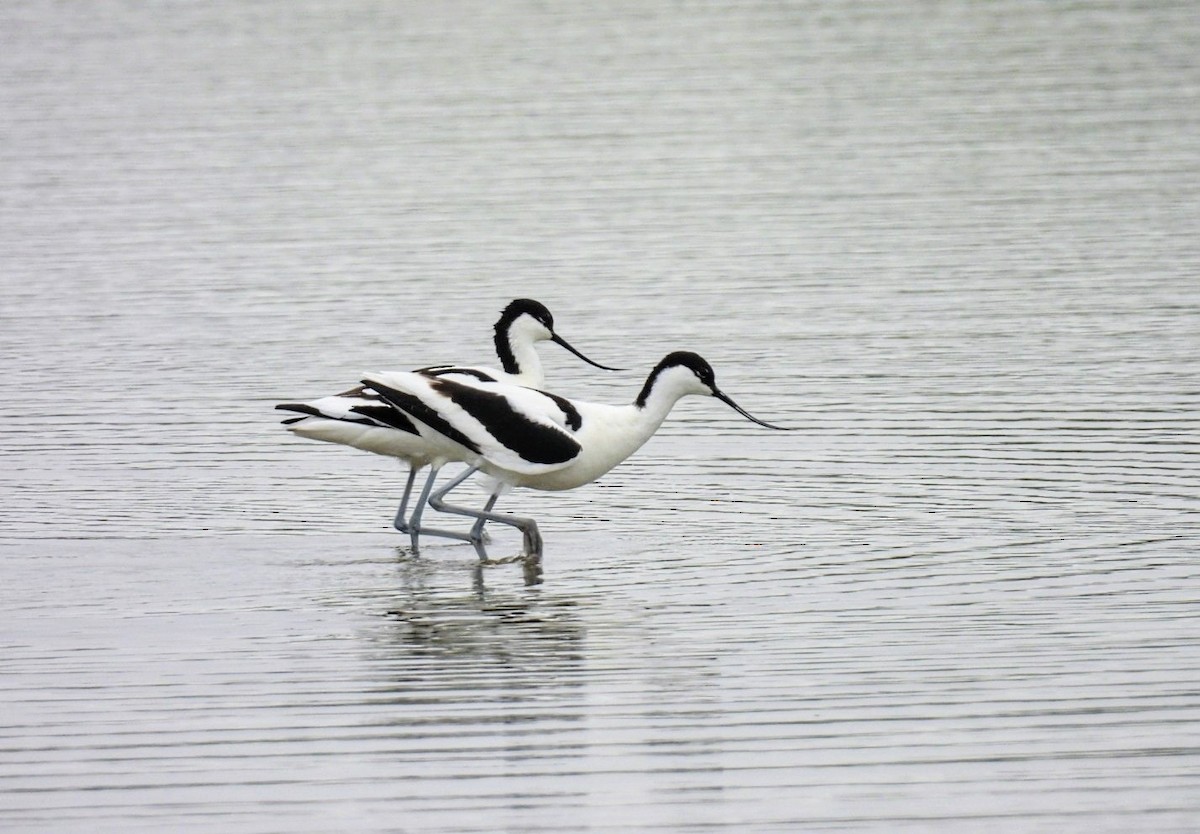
{"x": 957, "y": 245}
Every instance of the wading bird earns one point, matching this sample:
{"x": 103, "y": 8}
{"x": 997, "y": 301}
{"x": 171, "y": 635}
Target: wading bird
{"x": 359, "y": 418}
{"x": 522, "y": 437}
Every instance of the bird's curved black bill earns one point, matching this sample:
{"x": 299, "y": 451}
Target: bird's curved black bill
{"x": 725, "y": 398}
{"x": 559, "y": 340}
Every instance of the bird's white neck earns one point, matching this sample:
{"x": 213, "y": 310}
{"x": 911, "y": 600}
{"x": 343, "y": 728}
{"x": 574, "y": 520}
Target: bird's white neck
{"x": 520, "y": 359}
{"x": 664, "y": 387}
{"x": 655, "y": 405}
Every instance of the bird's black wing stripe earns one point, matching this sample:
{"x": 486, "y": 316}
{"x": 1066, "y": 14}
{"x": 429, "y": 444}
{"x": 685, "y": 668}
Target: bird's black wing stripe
{"x": 532, "y": 441}
{"x": 310, "y": 411}
{"x": 302, "y": 408}
{"x": 443, "y": 370}
{"x": 387, "y": 415}
{"x": 412, "y": 405}
{"x": 574, "y": 420}
{"x": 368, "y": 419}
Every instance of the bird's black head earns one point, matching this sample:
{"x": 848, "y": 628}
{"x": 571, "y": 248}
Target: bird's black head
{"x": 525, "y": 307}
{"x": 693, "y": 362}
{"x": 701, "y": 372}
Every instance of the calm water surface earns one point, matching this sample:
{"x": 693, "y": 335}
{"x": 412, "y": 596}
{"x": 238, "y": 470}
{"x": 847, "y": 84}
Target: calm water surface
{"x": 956, "y": 245}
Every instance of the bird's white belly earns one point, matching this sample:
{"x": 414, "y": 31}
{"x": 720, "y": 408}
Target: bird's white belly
{"x": 381, "y": 441}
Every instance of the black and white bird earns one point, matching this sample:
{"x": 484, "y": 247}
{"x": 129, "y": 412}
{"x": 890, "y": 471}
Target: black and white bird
{"x": 522, "y": 437}
{"x": 361, "y": 419}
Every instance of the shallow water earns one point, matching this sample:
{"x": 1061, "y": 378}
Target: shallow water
{"x": 956, "y": 245}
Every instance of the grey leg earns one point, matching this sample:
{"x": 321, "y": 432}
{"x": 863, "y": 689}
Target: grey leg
{"x": 415, "y": 529}
{"x": 527, "y": 526}
{"x": 477, "y": 528}
{"x": 400, "y": 523}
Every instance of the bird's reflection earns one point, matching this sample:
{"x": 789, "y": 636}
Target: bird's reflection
{"x": 519, "y": 629}
{"x": 503, "y": 667}
{"x": 531, "y": 564}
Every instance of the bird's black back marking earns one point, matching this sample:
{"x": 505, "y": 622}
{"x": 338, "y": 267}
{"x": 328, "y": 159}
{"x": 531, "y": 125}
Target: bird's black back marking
{"x": 574, "y": 420}
{"x": 446, "y": 370}
{"x": 413, "y": 406}
{"x": 532, "y": 441}
{"x": 384, "y": 413}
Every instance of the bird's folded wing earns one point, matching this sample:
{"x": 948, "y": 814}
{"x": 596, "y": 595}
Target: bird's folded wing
{"x": 460, "y": 373}
{"x": 354, "y": 406}
{"x": 511, "y": 427}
